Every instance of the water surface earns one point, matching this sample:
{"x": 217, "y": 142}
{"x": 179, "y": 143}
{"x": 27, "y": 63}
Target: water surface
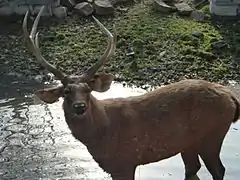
{"x": 35, "y": 143}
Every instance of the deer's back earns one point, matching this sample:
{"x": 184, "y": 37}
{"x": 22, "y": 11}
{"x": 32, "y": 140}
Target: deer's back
{"x": 163, "y": 122}
{"x": 188, "y": 99}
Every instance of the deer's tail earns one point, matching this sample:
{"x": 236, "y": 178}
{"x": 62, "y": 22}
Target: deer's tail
{"x": 237, "y": 110}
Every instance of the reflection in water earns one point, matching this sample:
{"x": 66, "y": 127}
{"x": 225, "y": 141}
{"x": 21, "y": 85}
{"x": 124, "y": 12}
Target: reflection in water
{"x": 35, "y": 143}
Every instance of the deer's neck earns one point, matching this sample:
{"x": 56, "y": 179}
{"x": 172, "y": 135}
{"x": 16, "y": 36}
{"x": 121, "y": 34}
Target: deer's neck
{"x": 96, "y": 113}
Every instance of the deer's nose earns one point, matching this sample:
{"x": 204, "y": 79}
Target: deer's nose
{"x": 80, "y": 107}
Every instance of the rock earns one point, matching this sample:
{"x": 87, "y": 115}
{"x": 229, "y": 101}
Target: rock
{"x": 197, "y": 34}
{"x": 83, "y": 9}
{"x": 90, "y": 1}
{"x": 161, "y": 6}
{"x": 197, "y": 15}
{"x": 79, "y": 1}
{"x": 206, "y": 55}
{"x": 16, "y": 74}
{"x": 103, "y": 7}
{"x": 122, "y": 9}
{"x": 119, "y": 2}
{"x": 40, "y": 2}
{"x": 39, "y": 78}
{"x": 172, "y": 1}
{"x": 183, "y": 9}
{"x": 70, "y": 13}
{"x": 130, "y": 51}
{"x": 21, "y": 10}
{"x": 46, "y": 12}
{"x": 162, "y": 53}
{"x": 68, "y": 3}
{"x": 60, "y": 12}
{"x": 219, "y": 44}
{"x": 6, "y": 11}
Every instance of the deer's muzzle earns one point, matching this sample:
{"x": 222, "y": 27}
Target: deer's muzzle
{"x": 79, "y": 107}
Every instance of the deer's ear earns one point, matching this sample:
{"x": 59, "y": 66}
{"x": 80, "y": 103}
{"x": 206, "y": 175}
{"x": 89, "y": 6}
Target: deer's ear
{"x": 50, "y": 95}
{"x": 101, "y": 82}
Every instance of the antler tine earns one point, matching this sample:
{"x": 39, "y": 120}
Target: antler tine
{"x": 108, "y": 52}
{"x": 113, "y": 49}
{"x": 33, "y": 45}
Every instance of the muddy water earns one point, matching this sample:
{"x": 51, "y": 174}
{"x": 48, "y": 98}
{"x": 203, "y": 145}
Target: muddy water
{"x": 35, "y": 143}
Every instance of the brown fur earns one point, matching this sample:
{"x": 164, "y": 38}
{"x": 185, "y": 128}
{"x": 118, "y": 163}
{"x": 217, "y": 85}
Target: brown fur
{"x": 190, "y": 117}
{"x": 122, "y": 133}
{"x": 236, "y": 117}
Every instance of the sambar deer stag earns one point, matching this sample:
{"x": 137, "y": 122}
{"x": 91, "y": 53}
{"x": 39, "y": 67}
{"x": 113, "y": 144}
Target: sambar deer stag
{"x": 190, "y": 117}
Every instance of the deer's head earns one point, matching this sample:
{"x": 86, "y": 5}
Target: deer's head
{"x": 74, "y": 89}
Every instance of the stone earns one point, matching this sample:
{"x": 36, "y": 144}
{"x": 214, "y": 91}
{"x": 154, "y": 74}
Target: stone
{"x": 197, "y": 15}
{"x": 46, "y": 12}
{"x": 198, "y": 34}
{"x": 68, "y": 3}
{"x": 55, "y": 3}
{"x": 219, "y": 44}
{"x": 42, "y": 2}
{"x": 224, "y": 8}
{"x": 161, "y": 6}
{"x": 122, "y": 9}
{"x": 6, "y": 11}
{"x": 39, "y": 78}
{"x": 162, "y": 53}
{"x": 183, "y": 9}
{"x": 84, "y": 9}
{"x": 60, "y": 12}
{"x": 120, "y": 2}
{"x": 21, "y": 10}
{"x": 79, "y": 1}
{"x": 103, "y": 7}
{"x": 130, "y": 51}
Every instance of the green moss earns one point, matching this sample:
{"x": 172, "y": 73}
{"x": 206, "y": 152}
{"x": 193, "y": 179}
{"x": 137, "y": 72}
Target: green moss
{"x": 205, "y": 9}
{"x": 165, "y": 48}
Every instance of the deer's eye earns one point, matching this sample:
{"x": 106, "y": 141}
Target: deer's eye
{"x": 67, "y": 91}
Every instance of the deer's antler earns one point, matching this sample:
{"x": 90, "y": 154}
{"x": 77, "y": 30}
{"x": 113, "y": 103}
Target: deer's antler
{"x": 33, "y": 45}
{"x": 109, "y": 52}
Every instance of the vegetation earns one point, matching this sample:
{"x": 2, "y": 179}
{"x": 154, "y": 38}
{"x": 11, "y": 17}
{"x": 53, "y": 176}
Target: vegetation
{"x": 167, "y": 47}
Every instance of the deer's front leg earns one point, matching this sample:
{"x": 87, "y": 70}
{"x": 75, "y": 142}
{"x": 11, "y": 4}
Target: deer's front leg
{"x": 124, "y": 175}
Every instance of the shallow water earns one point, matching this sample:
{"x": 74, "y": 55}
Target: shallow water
{"x": 35, "y": 143}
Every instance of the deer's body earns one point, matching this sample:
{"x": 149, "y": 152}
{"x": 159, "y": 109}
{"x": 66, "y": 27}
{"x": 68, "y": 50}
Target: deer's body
{"x": 124, "y": 133}
{"x": 190, "y": 117}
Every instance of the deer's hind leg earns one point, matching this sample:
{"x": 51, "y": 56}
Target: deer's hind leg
{"x": 192, "y": 163}
{"x": 210, "y": 153}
